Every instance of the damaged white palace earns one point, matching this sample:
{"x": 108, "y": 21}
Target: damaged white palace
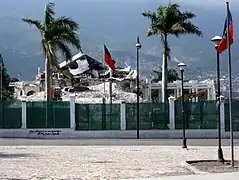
{"x": 89, "y": 80}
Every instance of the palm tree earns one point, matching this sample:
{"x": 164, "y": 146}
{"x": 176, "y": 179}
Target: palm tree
{"x": 58, "y": 35}
{"x": 172, "y": 75}
{"x": 169, "y": 20}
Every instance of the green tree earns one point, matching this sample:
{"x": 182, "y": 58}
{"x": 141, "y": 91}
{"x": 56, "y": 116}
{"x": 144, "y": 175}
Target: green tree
{"x": 172, "y": 75}
{"x": 170, "y": 20}
{"x": 6, "y": 91}
{"x": 57, "y": 35}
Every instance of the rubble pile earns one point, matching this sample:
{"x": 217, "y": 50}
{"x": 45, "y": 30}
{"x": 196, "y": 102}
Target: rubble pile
{"x": 94, "y": 95}
{"x": 87, "y": 78}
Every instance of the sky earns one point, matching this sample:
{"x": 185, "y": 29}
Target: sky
{"x": 208, "y": 3}
{"x": 124, "y": 13}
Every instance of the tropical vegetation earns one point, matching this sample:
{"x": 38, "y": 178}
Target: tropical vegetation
{"x": 172, "y": 75}
{"x": 58, "y": 35}
{"x": 5, "y": 90}
{"x": 170, "y": 20}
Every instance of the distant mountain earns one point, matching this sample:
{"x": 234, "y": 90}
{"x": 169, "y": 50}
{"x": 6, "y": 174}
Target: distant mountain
{"x": 116, "y": 24}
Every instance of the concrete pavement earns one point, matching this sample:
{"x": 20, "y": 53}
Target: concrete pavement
{"x": 219, "y": 176}
{"x": 113, "y": 142}
{"x": 101, "y": 162}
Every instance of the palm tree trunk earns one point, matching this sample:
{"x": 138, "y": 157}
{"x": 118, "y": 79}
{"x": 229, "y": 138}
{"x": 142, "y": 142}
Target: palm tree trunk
{"x": 81, "y": 50}
{"x": 47, "y": 80}
{"x": 47, "y": 89}
{"x": 165, "y": 71}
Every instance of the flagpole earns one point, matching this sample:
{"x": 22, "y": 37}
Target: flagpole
{"x": 111, "y": 66}
{"x": 230, "y": 84}
{"x": 103, "y": 68}
{"x": 104, "y": 95}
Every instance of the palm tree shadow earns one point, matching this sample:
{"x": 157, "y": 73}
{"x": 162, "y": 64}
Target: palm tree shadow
{"x": 14, "y": 155}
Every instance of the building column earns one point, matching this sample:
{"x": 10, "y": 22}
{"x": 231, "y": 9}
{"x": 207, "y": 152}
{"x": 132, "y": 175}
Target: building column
{"x": 193, "y": 91}
{"x": 150, "y": 94}
{"x": 208, "y": 94}
{"x": 145, "y": 93}
{"x": 177, "y": 92}
{"x": 72, "y": 111}
{"x": 222, "y": 111}
{"x": 123, "y": 116}
{"x": 196, "y": 90}
{"x": 171, "y": 112}
{"x": 160, "y": 96}
{"x": 24, "y": 112}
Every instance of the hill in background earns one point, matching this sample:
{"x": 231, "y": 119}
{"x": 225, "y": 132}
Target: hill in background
{"x": 115, "y": 24}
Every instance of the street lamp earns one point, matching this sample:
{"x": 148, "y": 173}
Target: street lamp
{"x": 1, "y": 78}
{"x": 216, "y": 40}
{"x": 181, "y": 68}
{"x": 138, "y": 47}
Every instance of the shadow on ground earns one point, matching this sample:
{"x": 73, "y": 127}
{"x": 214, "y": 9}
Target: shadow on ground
{"x": 14, "y": 155}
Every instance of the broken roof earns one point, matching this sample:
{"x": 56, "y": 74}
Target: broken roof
{"x": 79, "y": 59}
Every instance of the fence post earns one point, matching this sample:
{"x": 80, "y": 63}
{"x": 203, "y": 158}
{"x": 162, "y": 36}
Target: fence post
{"x": 171, "y": 112}
{"x": 123, "y": 116}
{"x": 24, "y": 112}
{"x": 103, "y": 113}
{"x": 72, "y": 111}
{"x": 222, "y": 110}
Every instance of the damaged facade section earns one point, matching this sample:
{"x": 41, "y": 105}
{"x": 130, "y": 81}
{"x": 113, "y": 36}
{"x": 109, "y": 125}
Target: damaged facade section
{"x": 77, "y": 75}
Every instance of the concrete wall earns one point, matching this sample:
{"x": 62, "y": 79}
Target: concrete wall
{"x": 123, "y": 133}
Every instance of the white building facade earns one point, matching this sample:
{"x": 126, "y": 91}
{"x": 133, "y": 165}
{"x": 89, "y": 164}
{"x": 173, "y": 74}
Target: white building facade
{"x": 192, "y": 86}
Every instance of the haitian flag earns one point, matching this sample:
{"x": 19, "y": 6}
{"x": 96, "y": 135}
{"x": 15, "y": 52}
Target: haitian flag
{"x": 223, "y": 44}
{"x": 109, "y": 61}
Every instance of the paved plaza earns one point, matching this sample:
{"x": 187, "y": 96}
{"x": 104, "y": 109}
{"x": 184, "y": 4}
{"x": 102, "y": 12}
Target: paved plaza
{"x": 112, "y": 142}
{"x": 100, "y": 162}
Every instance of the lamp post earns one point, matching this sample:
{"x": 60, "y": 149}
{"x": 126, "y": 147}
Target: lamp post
{"x": 181, "y": 68}
{"x": 138, "y": 47}
{"x": 216, "y": 40}
{"x": 1, "y": 78}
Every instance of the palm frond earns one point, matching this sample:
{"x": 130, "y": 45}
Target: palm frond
{"x": 71, "y": 39}
{"x": 157, "y": 72}
{"x": 176, "y": 30}
{"x": 152, "y": 32}
{"x": 192, "y": 29}
{"x": 35, "y": 23}
{"x": 152, "y": 16}
{"x": 187, "y": 15}
{"x": 64, "y": 50}
{"x": 44, "y": 46}
{"x": 149, "y": 14}
{"x": 155, "y": 29}
{"x": 49, "y": 8}
{"x": 49, "y": 13}
{"x": 172, "y": 75}
{"x": 174, "y": 6}
{"x": 64, "y": 34}
{"x": 67, "y": 22}
{"x": 186, "y": 28}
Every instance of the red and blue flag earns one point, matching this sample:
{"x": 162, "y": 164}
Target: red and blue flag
{"x": 109, "y": 61}
{"x": 223, "y": 45}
